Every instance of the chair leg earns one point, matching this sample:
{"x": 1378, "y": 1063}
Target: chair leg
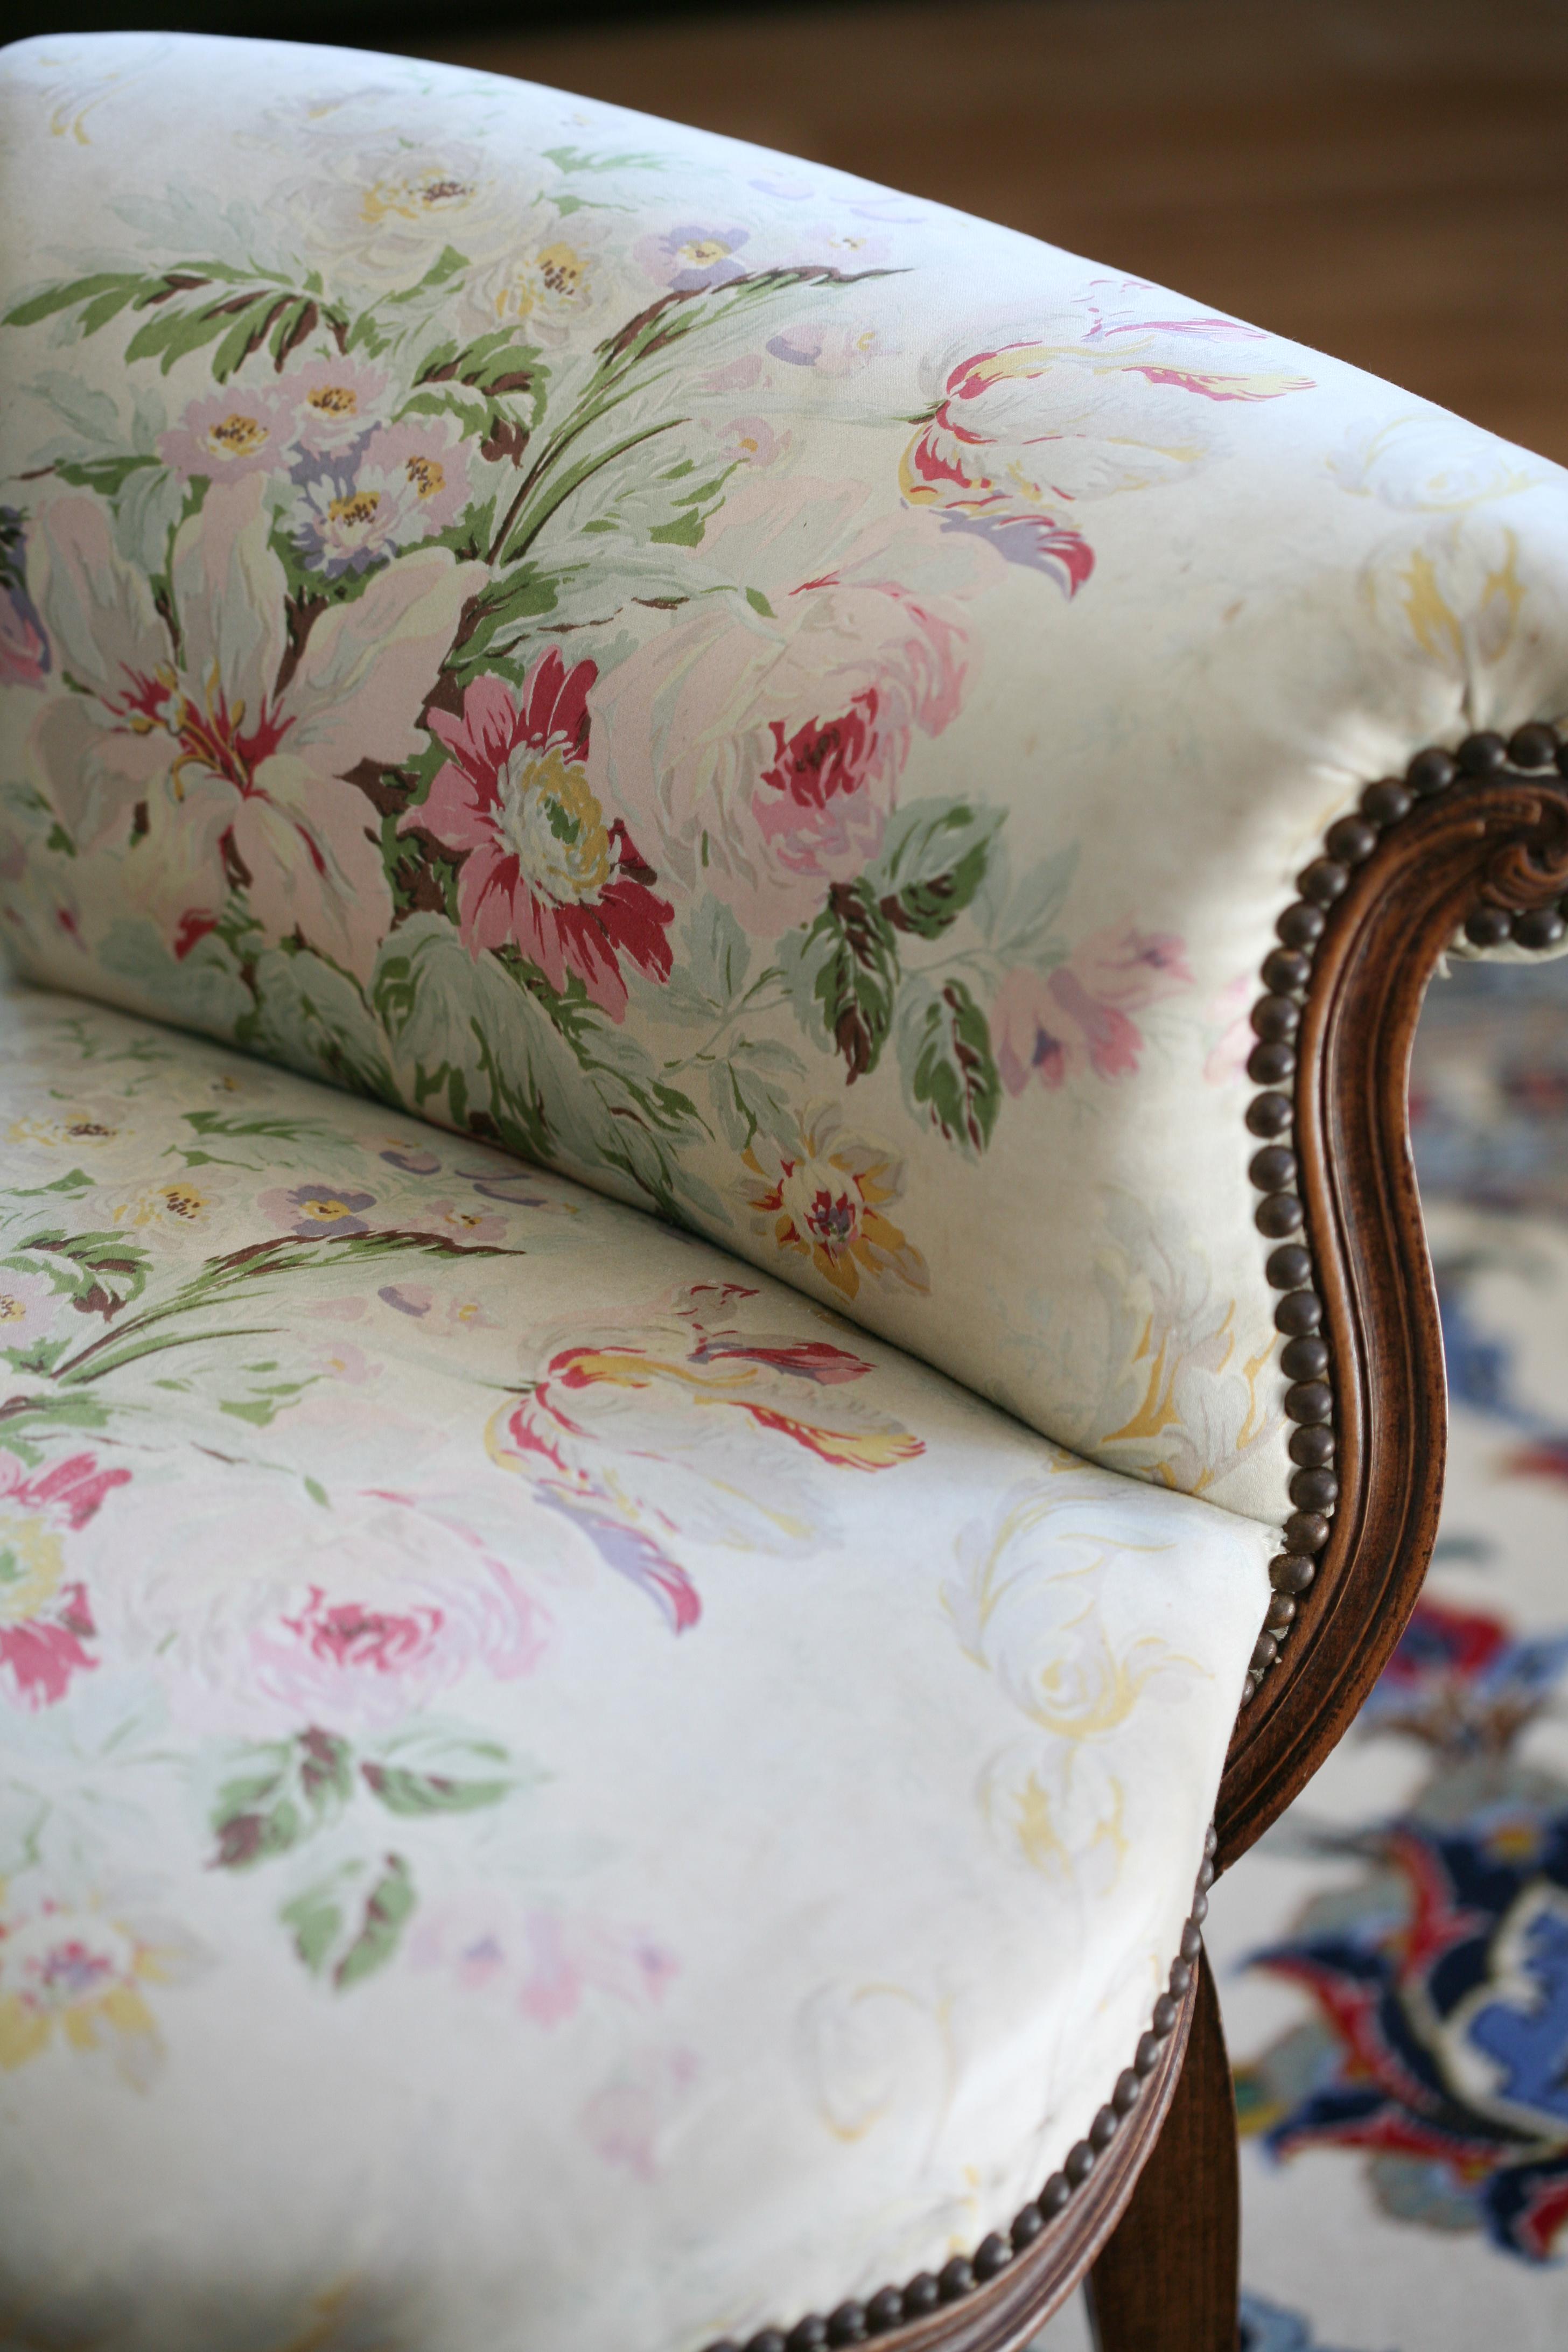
{"x": 1168, "y": 2278}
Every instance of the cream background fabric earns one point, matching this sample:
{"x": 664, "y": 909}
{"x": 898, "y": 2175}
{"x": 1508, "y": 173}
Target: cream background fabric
{"x": 552, "y": 1793}
{"x": 957, "y": 521}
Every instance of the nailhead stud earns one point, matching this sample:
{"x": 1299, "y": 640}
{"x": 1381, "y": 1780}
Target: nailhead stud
{"x": 1278, "y": 1214}
{"x": 1483, "y": 754}
{"x": 1054, "y": 2195}
{"x": 1281, "y": 1612}
{"x": 1146, "y": 2057}
{"x": 1286, "y": 970}
{"x": 1312, "y": 1445}
{"x": 1163, "y": 2022}
{"x": 1306, "y": 1359}
{"x": 955, "y": 2279}
{"x": 1323, "y": 881}
{"x": 1351, "y": 840}
{"x": 1290, "y": 1571}
{"x": 847, "y": 2324}
{"x": 1269, "y": 1114}
{"x": 1273, "y": 1170}
{"x": 1309, "y": 1401}
{"x": 1128, "y": 2091}
{"x": 1306, "y": 1531}
{"x": 1300, "y": 1312}
{"x": 1028, "y": 2224}
{"x": 1302, "y": 925}
{"x": 1532, "y": 746}
{"x": 1271, "y": 1063}
{"x": 1542, "y": 927}
{"x": 991, "y": 2256}
{"x": 808, "y": 2335}
{"x": 1080, "y": 2163}
{"x": 1276, "y": 1016}
{"x": 1314, "y": 1490}
{"x": 885, "y": 2311}
{"x": 1489, "y": 927}
{"x": 921, "y": 2296}
{"x": 1386, "y": 801}
{"x": 1102, "y": 2130}
{"x": 770, "y": 2339}
{"x": 1191, "y": 1942}
{"x": 1431, "y": 772}
{"x": 1288, "y": 1268}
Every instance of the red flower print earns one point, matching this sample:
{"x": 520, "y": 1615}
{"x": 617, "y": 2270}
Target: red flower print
{"x": 543, "y": 871}
{"x": 45, "y": 1621}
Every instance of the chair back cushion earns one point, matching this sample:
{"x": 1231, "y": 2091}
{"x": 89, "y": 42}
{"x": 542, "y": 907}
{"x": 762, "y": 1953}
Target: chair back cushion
{"x": 760, "y": 693}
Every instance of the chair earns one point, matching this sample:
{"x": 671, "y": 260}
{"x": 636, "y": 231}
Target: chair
{"x": 719, "y": 1351}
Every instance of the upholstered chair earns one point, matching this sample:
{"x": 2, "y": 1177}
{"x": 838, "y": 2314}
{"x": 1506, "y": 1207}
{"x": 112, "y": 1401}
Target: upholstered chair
{"x": 716, "y": 1352}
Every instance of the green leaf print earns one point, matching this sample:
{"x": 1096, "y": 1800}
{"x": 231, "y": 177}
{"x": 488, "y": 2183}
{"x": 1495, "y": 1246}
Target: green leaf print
{"x": 423, "y": 1794}
{"x": 344, "y": 1934}
{"x": 107, "y": 1271}
{"x": 932, "y": 861}
{"x": 280, "y": 1793}
{"x": 945, "y": 1058}
{"x": 842, "y": 971}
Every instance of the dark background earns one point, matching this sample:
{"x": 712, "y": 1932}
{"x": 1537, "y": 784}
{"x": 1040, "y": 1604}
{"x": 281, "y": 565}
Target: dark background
{"x": 1385, "y": 179}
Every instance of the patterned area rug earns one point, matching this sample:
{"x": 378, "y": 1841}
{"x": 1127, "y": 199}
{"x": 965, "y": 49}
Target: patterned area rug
{"x": 1392, "y": 1957}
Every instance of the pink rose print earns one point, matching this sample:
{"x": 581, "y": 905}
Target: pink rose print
{"x": 1077, "y": 1020}
{"x": 345, "y": 1623}
{"x": 544, "y": 1963}
{"x": 543, "y": 870}
{"x": 777, "y": 743}
{"x": 626, "y": 2120}
{"x": 46, "y": 1620}
{"x": 690, "y": 256}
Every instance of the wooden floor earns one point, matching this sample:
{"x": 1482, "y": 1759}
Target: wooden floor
{"x": 1387, "y": 179}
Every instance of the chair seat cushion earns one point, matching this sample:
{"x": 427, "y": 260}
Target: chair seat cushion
{"x": 553, "y": 1793}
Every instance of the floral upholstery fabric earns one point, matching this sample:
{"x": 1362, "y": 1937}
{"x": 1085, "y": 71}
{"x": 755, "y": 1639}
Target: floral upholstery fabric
{"x": 790, "y": 705}
{"x": 553, "y": 1791}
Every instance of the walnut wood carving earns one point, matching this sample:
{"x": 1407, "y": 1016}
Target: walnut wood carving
{"x": 1497, "y": 841}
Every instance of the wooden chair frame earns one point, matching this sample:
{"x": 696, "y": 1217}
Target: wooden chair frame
{"x": 1470, "y": 845}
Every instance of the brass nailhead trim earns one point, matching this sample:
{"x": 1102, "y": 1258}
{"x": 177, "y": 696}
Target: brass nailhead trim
{"x": 1286, "y": 975}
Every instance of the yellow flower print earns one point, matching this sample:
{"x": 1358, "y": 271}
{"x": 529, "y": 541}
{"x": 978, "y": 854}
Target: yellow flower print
{"x": 180, "y": 1204}
{"x": 823, "y": 1198}
{"x": 75, "y": 1975}
{"x": 84, "y": 1129}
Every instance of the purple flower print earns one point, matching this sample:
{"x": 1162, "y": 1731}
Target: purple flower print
{"x": 412, "y": 1158}
{"x": 317, "y": 1212}
{"x": 357, "y": 507}
{"x": 690, "y": 256}
{"x": 408, "y": 1297}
